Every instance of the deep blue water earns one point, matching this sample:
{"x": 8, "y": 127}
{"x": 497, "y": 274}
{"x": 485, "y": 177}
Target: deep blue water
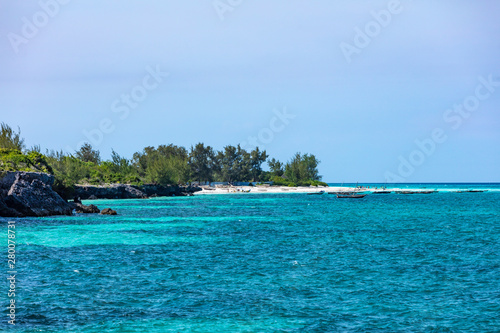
{"x": 264, "y": 263}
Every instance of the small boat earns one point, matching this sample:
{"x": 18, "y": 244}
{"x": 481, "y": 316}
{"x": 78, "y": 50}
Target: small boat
{"x": 471, "y": 191}
{"x": 382, "y": 192}
{"x": 351, "y": 195}
{"x": 406, "y": 192}
{"x": 207, "y": 188}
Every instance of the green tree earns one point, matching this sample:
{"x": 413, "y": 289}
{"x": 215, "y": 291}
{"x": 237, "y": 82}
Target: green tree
{"x": 15, "y": 160}
{"x": 242, "y": 165}
{"x": 140, "y": 160}
{"x": 10, "y": 139}
{"x": 122, "y": 165}
{"x": 302, "y": 168}
{"x": 276, "y": 167}
{"x": 166, "y": 165}
{"x": 201, "y": 162}
{"x": 87, "y": 154}
{"x": 256, "y": 159}
{"x": 228, "y": 159}
{"x": 311, "y": 165}
{"x": 236, "y": 164}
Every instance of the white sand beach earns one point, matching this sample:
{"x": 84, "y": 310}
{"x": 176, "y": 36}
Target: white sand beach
{"x": 271, "y": 189}
{"x": 225, "y": 189}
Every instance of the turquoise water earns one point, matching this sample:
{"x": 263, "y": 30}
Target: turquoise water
{"x": 264, "y": 263}
{"x": 443, "y": 187}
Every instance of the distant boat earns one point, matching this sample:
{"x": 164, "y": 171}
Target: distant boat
{"x": 472, "y": 191}
{"x": 348, "y": 192}
{"x": 415, "y": 192}
{"x": 352, "y": 195}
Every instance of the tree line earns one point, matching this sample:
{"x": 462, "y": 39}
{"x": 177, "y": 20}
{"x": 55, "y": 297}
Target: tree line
{"x": 163, "y": 165}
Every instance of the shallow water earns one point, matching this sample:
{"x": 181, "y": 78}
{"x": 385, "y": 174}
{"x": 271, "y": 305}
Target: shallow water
{"x": 264, "y": 263}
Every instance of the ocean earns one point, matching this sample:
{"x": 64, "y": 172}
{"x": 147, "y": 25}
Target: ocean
{"x": 245, "y": 262}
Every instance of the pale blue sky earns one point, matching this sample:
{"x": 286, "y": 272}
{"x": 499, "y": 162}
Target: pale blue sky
{"x": 228, "y": 77}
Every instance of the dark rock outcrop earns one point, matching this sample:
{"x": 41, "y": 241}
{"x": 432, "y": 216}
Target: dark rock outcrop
{"x": 169, "y": 191}
{"x": 83, "y": 209}
{"x": 108, "y": 211}
{"x": 7, "y": 211}
{"x": 115, "y": 191}
{"x": 122, "y": 191}
{"x": 30, "y": 194}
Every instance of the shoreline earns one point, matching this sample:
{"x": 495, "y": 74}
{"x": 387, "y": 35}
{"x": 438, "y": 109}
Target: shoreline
{"x": 264, "y": 189}
{"x": 285, "y": 189}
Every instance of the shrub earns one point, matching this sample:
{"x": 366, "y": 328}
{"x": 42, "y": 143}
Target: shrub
{"x": 15, "y": 160}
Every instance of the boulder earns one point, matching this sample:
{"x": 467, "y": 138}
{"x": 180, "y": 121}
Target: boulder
{"x": 83, "y": 209}
{"x": 108, "y": 211}
{"x": 30, "y": 194}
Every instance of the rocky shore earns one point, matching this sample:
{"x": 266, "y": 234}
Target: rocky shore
{"x": 123, "y": 191}
{"x": 31, "y": 194}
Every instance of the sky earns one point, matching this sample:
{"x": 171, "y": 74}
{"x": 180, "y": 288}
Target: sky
{"x": 378, "y": 91}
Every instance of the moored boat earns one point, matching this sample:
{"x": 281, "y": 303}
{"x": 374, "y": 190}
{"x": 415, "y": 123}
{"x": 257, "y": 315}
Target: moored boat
{"x": 352, "y": 195}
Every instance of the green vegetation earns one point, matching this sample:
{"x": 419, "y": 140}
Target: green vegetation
{"x": 302, "y": 168}
{"x": 9, "y": 139}
{"x": 14, "y": 160}
{"x": 164, "y": 165}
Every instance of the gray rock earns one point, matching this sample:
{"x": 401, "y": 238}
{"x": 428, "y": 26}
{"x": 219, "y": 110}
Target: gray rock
{"x": 30, "y": 194}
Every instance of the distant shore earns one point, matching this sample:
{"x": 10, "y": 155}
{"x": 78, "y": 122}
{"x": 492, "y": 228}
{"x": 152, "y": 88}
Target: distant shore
{"x": 314, "y": 189}
{"x": 275, "y": 189}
